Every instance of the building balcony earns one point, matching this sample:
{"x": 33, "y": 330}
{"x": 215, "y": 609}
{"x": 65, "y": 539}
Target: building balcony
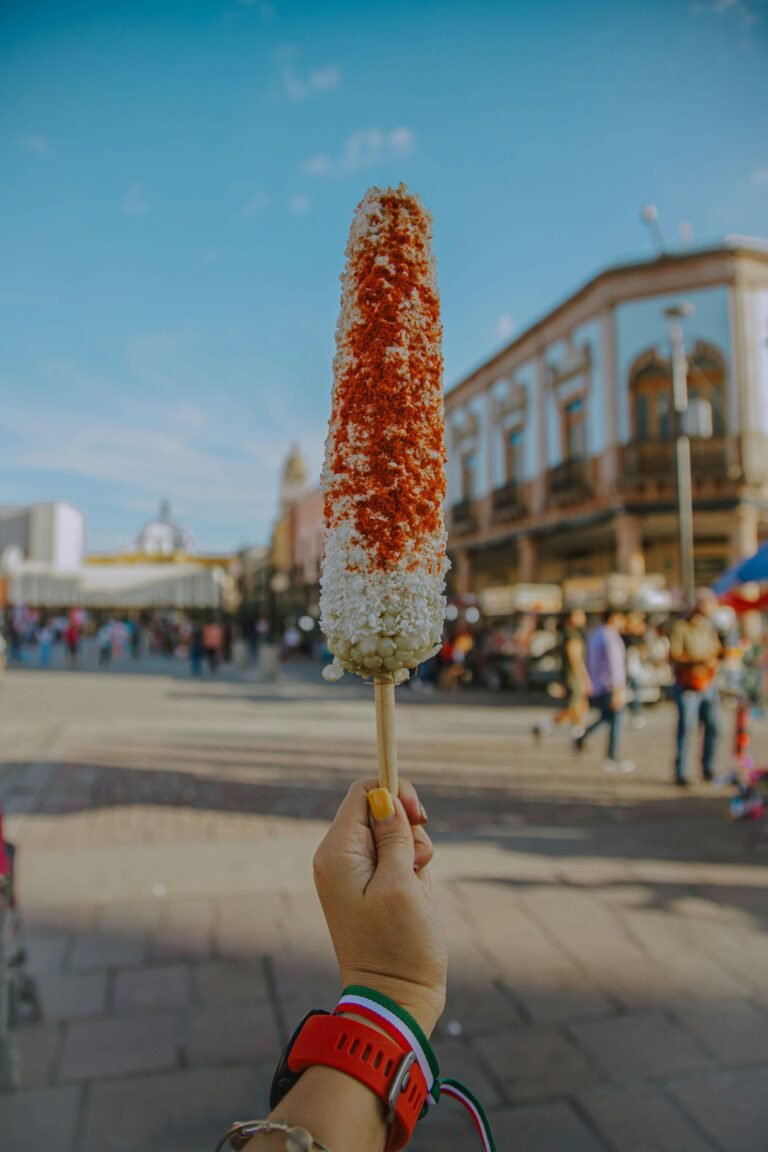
{"x": 507, "y": 502}
{"x": 656, "y": 460}
{"x": 569, "y": 482}
{"x": 464, "y": 516}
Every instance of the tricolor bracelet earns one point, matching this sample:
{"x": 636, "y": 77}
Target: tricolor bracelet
{"x": 401, "y": 1027}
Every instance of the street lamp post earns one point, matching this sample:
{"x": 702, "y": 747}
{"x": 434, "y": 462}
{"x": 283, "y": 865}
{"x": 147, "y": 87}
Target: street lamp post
{"x": 675, "y": 315}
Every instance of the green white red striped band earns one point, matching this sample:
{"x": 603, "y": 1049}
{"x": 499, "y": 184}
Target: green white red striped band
{"x": 457, "y": 1091}
{"x": 401, "y": 1026}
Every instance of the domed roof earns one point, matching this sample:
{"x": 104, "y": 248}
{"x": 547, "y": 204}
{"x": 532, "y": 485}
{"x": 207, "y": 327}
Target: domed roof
{"x": 164, "y": 537}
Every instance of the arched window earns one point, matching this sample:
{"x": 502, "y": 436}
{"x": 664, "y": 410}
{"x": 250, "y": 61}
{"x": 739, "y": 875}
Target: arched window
{"x": 650, "y": 391}
{"x": 706, "y": 381}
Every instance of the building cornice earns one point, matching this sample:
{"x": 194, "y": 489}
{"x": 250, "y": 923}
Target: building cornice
{"x": 738, "y": 260}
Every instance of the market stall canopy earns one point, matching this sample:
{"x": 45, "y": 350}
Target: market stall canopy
{"x": 753, "y": 570}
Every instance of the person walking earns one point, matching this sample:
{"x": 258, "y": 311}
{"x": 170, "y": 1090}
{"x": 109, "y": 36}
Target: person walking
{"x": 212, "y": 640}
{"x": 44, "y": 645}
{"x": 607, "y": 669}
{"x": 696, "y": 652}
{"x": 576, "y": 684}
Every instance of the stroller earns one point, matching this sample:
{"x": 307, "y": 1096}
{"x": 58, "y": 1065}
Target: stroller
{"x": 19, "y": 998}
{"x": 748, "y": 804}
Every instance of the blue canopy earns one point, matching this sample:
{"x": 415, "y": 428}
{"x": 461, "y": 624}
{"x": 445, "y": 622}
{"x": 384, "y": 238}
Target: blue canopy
{"x": 753, "y": 569}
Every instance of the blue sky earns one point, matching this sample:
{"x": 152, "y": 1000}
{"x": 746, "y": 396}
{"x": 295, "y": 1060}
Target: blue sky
{"x": 178, "y": 180}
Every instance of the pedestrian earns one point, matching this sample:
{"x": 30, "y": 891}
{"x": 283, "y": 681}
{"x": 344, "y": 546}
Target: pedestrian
{"x": 105, "y": 644}
{"x": 607, "y": 669}
{"x": 634, "y": 637}
{"x": 72, "y": 641}
{"x": 45, "y": 646}
{"x": 576, "y": 685}
{"x": 212, "y": 639}
{"x": 696, "y": 652}
{"x": 196, "y": 650}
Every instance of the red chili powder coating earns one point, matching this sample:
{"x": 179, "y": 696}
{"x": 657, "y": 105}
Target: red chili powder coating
{"x": 388, "y": 408}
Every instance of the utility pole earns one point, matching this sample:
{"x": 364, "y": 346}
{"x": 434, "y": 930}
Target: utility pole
{"x": 675, "y": 316}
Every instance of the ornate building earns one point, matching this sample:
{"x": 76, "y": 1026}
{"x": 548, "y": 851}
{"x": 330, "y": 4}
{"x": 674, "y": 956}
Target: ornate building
{"x": 561, "y": 446}
{"x": 43, "y": 563}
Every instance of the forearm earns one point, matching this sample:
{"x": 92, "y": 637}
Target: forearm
{"x": 336, "y": 1109}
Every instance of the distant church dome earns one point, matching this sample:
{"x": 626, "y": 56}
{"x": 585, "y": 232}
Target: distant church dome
{"x": 164, "y": 537}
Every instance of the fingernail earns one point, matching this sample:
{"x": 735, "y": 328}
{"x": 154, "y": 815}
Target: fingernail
{"x": 381, "y": 804}
{"x": 423, "y": 811}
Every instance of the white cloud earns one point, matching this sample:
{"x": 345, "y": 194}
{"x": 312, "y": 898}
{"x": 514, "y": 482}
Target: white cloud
{"x": 256, "y": 205}
{"x": 301, "y": 85}
{"x": 749, "y": 12}
{"x": 299, "y": 204}
{"x": 505, "y": 326}
{"x": 36, "y": 143}
{"x": 318, "y": 165}
{"x": 163, "y": 428}
{"x": 135, "y": 201}
{"x": 366, "y": 148}
{"x": 761, "y": 176}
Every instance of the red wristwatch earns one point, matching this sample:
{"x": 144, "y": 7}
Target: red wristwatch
{"x": 390, "y": 1070}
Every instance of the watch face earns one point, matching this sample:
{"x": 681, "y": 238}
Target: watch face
{"x": 284, "y": 1079}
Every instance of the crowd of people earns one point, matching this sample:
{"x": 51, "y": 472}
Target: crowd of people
{"x": 601, "y": 671}
{"x": 28, "y": 637}
{"x": 601, "y": 677}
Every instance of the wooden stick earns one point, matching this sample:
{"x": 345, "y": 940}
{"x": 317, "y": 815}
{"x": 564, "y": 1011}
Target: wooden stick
{"x": 386, "y": 738}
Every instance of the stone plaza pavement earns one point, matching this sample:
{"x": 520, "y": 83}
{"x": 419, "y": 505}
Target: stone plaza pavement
{"x": 608, "y": 936}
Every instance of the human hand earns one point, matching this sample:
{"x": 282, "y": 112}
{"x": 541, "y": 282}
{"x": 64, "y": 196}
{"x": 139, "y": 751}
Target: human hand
{"x": 372, "y": 877}
{"x": 618, "y": 699}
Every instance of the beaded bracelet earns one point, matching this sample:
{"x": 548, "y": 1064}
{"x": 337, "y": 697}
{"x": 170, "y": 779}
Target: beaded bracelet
{"x": 296, "y": 1139}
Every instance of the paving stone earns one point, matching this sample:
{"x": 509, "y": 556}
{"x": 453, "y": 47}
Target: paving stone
{"x": 226, "y": 982}
{"x": 731, "y": 1106}
{"x": 478, "y": 1009}
{"x": 534, "y": 1063}
{"x": 558, "y": 1003}
{"x": 641, "y": 1046}
{"x": 141, "y": 989}
{"x": 228, "y": 1033}
{"x": 41, "y": 1118}
{"x": 642, "y": 1119}
{"x": 554, "y": 1127}
{"x": 38, "y": 1046}
{"x": 131, "y": 918}
{"x": 46, "y": 951}
{"x": 678, "y": 949}
{"x": 733, "y": 1031}
{"x": 299, "y": 997}
{"x": 458, "y": 1061}
{"x": 69, "y": 996}
{"x": 445, "y": 1128}
{"x": 107, "y": 950}
{"x": 177, "y": 1112}
{"x": 594, "y": 937}
{"x": 187, "y": 931}
{"x": 249, "y": 926}
{"x": 114, "y": 1047}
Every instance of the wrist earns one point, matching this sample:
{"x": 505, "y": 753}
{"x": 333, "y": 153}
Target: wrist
{"x": 424, "y": 1004}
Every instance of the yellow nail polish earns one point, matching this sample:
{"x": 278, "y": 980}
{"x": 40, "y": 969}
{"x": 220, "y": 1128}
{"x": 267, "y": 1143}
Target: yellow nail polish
{"x": 381, "y": 804}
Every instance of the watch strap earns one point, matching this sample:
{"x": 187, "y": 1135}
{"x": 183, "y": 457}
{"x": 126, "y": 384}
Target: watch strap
{"x": 389, "y": 1070}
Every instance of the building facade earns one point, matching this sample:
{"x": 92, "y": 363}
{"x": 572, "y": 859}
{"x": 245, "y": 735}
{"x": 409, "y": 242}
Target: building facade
{"x": 561, "y": 450}
{"x": 44, "y": 564}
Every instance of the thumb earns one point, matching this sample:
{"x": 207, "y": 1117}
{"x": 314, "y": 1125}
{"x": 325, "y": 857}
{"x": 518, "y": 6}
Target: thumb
{"x": 395, "y": 850}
